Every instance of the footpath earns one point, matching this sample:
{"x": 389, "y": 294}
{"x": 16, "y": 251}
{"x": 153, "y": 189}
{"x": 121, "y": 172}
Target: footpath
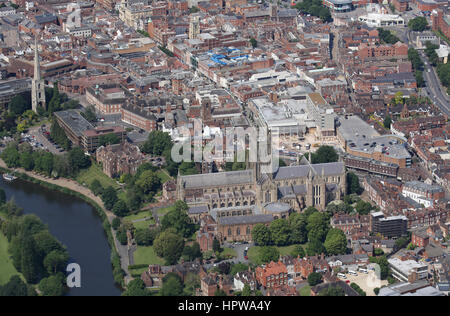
{"x": 75, "y": 186}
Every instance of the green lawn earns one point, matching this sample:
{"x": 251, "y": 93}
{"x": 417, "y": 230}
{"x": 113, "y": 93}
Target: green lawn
{"x": 163, "y": 176}
{"x": 305, "y": 291}
{"x": 139, "y": 215}
{"x": 253, "y": 253}
{"x": 229, "y": 252}
{"x": 144, "y": 224}
{"x": 7, "y": 269}
{"x": 95, "y": 172}
{"x": 165, "y": 210}
{"x": 146, "y": 255}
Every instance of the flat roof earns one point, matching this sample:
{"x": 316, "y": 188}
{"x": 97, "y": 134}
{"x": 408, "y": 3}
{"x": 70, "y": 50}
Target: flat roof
{"x": 74, "y": 121}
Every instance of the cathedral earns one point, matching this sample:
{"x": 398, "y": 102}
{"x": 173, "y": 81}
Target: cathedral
{"x": 251, "y": 192}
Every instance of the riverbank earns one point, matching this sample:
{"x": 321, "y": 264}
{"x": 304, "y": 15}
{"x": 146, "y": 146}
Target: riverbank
{"x": 7, "y": 269}
{"x": 119, "y": 255}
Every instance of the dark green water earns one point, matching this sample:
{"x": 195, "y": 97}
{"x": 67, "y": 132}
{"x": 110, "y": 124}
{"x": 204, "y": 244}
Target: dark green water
{"x": 76, "y": 224}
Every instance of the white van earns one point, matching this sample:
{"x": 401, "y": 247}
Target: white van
{"x": 352, "y": 273}
{"x": 341, "y": 275}
{"x": 363, "y": 270}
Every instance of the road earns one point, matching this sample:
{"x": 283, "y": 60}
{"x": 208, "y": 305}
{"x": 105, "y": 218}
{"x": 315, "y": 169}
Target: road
{"x": 433, "y": 85}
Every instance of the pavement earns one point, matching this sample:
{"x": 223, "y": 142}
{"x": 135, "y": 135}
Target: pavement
{"x": 39, "y": 137}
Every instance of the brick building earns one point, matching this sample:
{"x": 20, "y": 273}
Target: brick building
{"x": 119, "y": 159}
{"x": 239, "y": 228}
{"x": 272, "y": 275}
{"x": 107, "y": 98}
{"x": 440, "y": 19}
{"x": 138, "y": 117}
{"x": 398, "y": 50}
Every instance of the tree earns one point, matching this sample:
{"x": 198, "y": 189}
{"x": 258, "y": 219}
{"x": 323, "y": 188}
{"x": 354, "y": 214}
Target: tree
{"x": 363, "y": 208}
{"x": 216, "y": 245}
{"x": 324, "y": 154}
{"x": 336, "y": 242}
{"x": 115, "y": 223}
{"x": 78, "y": 160}
{"x": 418, "y": 24}
{"x": 144, "y": 237}
{"x": 387, "y": 121}
{"x": 121, "y": 235}
{"x": 317, "y": 226}
{"x": 59, "y": 136}
{"x": 31, "y": 261}
{"x": 55, "y": 102}
{"x": 261, "y": 235}
{"x": 172, "y": 285}
{"x": 26, "y": 161}
{"x": 297, "y": 223}
{"x": 53, "y": 285}
{"x": 10, "y": 156}
{"x": 253, "y": 42}
{"x": 2, "y": 196}
{"x": 280, "y": 232}
{"x": 56, "y": 261}
{"x": 238, "y": 267}
{"x": 314, "y": 278}
{"x": 108, "y": 139}
{"x": 96, "y": 187}
{"x": 178, "y": 220}
{"x": 353, "y": 185}
{"x": 120, "y": 208}
{"x": 268, "y": 254}
{"x": 192, "y": 252}
{"x": 149, "y": 182}
{"x": 169, "y": 246}
{"x": 298, "y": 251}
{"x": 246, "y": 291}
{"x": 315, "y": 247}
{"x": 157, "y": 143}
{"x": 14, "y": 287}
{"x": 19, "y": 104}
{"x": 109, "y": 197}
{"x": 357, "y": 289}
{"x": 46, "y": 243}
{"x": 89, "y": 114}
{"x": 136, "y": 287}
{"x": 220, "y": 292}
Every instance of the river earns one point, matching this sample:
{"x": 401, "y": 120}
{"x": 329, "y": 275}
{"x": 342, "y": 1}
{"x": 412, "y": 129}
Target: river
{"x": 75, "y": 224}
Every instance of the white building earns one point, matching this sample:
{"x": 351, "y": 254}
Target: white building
{"x": 380, "y": 20}
{"x": 404, "y": 270}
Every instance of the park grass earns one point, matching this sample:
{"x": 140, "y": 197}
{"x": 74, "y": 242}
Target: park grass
{"x": 144, "y": 224}
{"x": 139, "y": 215}
{"x": 163, "y": 176}
{"x": 229, "y": 252}
{"x": 138, "y": 271}
{"x": 165, "y": 210}
{"x": 7, "y": 269}
{"x": 305, "y": 291}
{"x": 86, "y": 176}
{"x": 253, "y": 253}
{"x": 146, "y": 255}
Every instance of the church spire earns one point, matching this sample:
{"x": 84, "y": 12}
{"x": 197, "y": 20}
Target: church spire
{"x": 37, "y": 84}
{"x": 37, "y": 66}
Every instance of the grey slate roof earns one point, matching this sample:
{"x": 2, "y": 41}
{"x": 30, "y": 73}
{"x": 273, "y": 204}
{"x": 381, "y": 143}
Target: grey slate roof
{"x": 217, "y": 179}
{"x": 198, "y": 209}
{"x": 291, "y": 172}
{"x": 252, "y": 219}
